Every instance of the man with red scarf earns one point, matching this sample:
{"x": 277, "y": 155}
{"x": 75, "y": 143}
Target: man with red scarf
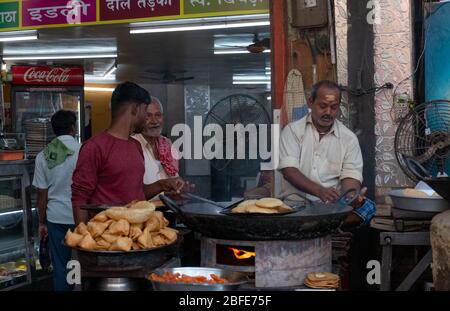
{"x": 160, "y": 162}
{"x": 111, "y": 165}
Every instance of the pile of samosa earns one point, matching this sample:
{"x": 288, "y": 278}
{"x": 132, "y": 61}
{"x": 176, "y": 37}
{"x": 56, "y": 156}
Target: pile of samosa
{"x": 123, "y": 228}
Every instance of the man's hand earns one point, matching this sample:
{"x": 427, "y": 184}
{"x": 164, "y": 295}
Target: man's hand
{"x": 352, "y": 219}
{"x": 175, "y": 184}
{"x": 328, "y": 195}
{"x": 359, "y": 201}
{"x": 177, "y": 195}
{"x": 43, "y": 230}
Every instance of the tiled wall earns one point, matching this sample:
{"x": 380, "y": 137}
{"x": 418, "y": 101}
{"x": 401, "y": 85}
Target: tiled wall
{"x": 393, "y": 63}
{"x": 393, "y": 45}
{"x": 341, "y": 26}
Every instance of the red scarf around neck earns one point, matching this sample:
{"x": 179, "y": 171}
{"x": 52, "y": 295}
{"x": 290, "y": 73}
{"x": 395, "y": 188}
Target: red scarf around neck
{"x": 166, "y": 158}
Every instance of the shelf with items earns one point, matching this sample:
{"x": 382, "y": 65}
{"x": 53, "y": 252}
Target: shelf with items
{"x": 16, "y": 225}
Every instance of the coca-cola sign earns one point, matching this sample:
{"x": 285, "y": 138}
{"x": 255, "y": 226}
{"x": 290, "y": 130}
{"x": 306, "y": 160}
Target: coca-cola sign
{"x": 47, "y": 75}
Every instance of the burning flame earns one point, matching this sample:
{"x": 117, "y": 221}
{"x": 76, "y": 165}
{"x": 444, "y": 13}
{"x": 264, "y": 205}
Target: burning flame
{"x": 240, "y": 254}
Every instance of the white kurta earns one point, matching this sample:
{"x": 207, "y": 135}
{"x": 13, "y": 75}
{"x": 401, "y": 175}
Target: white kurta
{"x": 154, "y": 171}
{"x": 325, "y": 161}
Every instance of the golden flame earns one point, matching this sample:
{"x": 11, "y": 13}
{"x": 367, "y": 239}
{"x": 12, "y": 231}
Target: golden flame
{"x": 240, "y": 254}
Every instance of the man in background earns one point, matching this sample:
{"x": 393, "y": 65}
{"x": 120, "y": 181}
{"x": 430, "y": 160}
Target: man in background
{"x": 53, "y": 178}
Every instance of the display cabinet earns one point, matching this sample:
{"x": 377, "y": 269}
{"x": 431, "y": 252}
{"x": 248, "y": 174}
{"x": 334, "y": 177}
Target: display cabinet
{"x": 19, "y": 242}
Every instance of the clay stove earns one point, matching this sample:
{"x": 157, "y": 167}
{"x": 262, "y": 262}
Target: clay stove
{"x": 272, "y": 264}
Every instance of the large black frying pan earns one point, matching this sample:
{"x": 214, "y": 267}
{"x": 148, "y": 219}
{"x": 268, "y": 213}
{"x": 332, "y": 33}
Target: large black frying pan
{"x": 310, "y": 221}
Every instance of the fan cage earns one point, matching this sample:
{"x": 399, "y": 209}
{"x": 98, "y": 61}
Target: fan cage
{"x": 424, "y": 135}
{"x": 239, "y": 109}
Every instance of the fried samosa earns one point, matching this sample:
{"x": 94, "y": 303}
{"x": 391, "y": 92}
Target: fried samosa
{"x": 88, "y": 242}
{"x": 81, "y": 229}
{"x": 145, "y": 239}
{"x": 120, "y": 227}
{"x": 135, "y": 232}
{"x": 96, "y": 229}
{"x": 169, "y": 233}
{"x": 158, "y": 239}
{"x": 73, "y": 239}
{"x": 101, "y": 217}
{"x": 102, "y": 244}
{"x": 153, "y": 224}
{"x": 109, "y": 237}
{"x": 122, "y": 244}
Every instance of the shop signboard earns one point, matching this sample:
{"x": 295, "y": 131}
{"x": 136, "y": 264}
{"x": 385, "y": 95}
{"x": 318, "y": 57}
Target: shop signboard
{"x": 9, "y": 14}
{"x": 59, "y": 12}
{"x": 218, "y": 6}
{"x": 133, "y": 9}
{"x": 32, "y": 14}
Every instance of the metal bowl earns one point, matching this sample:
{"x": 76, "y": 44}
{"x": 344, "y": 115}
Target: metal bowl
{"x": 236, "y": 279}
{"x": 419, "y": 204}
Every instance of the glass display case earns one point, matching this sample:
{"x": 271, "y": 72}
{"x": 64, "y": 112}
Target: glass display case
{"x": 31, "y": 103}
{"x": 40, "y": 91}
{"x": 19, "y": 244}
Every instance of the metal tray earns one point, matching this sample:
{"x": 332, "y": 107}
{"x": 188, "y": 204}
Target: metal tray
{"x": 236, "y": 279}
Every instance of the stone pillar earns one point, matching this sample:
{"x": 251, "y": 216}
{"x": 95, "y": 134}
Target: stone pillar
{"x": 440, "y": 244}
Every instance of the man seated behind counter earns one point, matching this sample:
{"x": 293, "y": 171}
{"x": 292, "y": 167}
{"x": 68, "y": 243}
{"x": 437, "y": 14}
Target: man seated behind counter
{"x": 110, "y": 167}
{"x": 319, "y": 155}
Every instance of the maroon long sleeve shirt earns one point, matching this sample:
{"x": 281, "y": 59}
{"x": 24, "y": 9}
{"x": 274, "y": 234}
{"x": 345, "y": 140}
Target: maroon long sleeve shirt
{"x": 109, "y": 171}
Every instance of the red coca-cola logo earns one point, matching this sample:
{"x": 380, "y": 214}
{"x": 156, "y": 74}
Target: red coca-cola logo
{"x": 48, "y": 75}
{"x": 55, "y": 75}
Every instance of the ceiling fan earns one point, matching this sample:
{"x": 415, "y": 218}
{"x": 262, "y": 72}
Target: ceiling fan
{"x": 167, "y": 76}
{"x": 258, "y": 46}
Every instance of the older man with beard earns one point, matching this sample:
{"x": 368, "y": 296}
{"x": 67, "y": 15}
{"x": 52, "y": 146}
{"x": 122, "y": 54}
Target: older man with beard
{"x": 160, "y": 163}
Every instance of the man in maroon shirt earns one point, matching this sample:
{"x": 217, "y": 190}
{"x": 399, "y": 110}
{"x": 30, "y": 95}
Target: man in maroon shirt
{"x": 110, "y": 167}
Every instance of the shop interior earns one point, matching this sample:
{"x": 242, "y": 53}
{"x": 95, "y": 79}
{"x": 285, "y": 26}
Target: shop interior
{"x": 216, "y": 74}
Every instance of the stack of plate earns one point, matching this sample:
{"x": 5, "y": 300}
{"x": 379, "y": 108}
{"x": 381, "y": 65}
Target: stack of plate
{"x": 38, "y": 133}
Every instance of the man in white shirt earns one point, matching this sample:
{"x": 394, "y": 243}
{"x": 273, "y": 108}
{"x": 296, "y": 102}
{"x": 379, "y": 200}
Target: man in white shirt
{"x": 160, "y": 162}
{"x": 53, "y": 178}
{"x": 319, "y": 156}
